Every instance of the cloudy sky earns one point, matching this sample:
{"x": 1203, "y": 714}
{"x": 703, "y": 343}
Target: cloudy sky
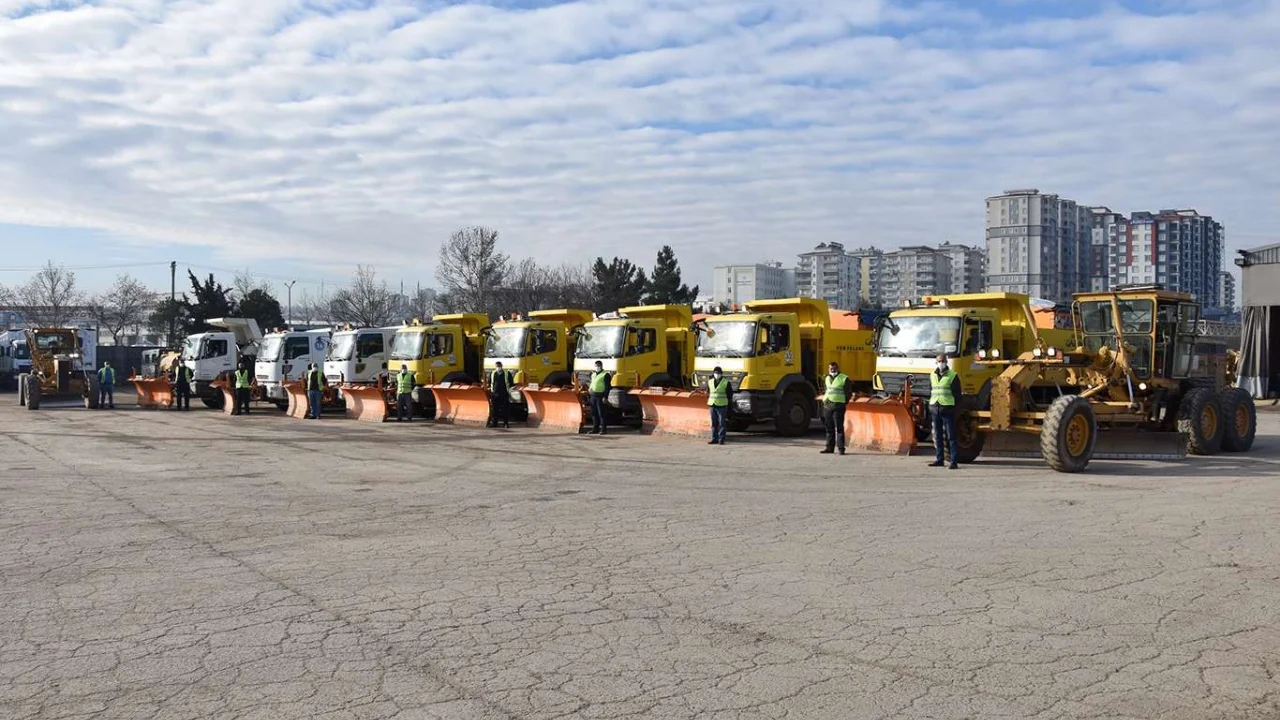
{"x": 299, "y": 138}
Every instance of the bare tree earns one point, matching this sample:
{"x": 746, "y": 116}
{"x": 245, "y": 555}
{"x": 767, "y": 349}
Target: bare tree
{"x": 471, "y": 267}
{"x": 125, "y": 305}
{"x": 366, "y": 302}
{"x": 423, "y": 304}
{"x": 49, "y": 298}
{"x": 309, "y": 309}
{"x": 245, "y": 284}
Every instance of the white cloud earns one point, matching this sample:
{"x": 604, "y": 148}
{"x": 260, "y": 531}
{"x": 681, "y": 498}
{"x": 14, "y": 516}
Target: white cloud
{"x": 732, "y": 130}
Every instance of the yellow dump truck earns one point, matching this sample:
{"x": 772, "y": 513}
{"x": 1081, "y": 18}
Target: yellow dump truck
{"x": 907, "y": 344}
{"x": 448, "y": 349}
{"x": 774, "y": 355}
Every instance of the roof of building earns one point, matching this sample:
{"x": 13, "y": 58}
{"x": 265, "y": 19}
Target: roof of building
{"x": 1265, "y": 255}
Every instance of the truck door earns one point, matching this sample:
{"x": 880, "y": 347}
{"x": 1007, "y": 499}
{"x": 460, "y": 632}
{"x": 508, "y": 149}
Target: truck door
{"x": 545, "y": 352}
{"x": 648, "y": 355}
{"x": 371, "y": 355}
{"x": 979, "y": 334}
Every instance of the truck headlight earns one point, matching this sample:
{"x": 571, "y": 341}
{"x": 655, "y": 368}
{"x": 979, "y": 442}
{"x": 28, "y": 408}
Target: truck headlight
{"x": 995, "y": 353}
{"x": 743, "y": 403}
{"x": 1053, "y": 352}
{"x": 1037, "y": 352}
{"x": 982, "y": 354}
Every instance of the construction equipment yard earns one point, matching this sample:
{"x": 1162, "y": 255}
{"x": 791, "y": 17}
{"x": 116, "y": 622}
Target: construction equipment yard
{"x": 162, "y": 564}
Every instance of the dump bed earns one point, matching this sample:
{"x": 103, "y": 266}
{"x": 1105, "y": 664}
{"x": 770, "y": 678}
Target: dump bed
{"x": 808, "y": 311}
{"x": 472, "y": 323}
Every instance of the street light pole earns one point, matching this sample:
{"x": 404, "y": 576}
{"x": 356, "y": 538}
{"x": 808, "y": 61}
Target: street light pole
{"x": 289, "y": 285}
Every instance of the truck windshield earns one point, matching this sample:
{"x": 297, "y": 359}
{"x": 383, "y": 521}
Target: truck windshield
{"x": 919, "y": 336}
{"x": 21, "y": 352}
{"x": 732, "y": 339}
{"x": 601, "y": 341}
{"x": 506, "y": 342}
{"x": 407, "y": 346}
{"x": 190, "y": 348}
{"x": 343, "y": 347}
{"x": 271, "y": 349}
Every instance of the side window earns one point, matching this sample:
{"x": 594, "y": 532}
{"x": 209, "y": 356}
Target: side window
{"x": 440, "y": 345}
{"x": 544, "y": 341}
{"x": 214, "y": 349}
{"x": 979, "y": 337}
{"x": 368, "y": 346}
{"x": 779, "y": 337}
{"x": 645, "y": 340}
{"x": 297, "y": 347}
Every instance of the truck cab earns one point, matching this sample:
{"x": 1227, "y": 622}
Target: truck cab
{"x": 641, "y": 346}
{"x": 358, "y": 355}
{"x": 284, "y": 356}
{"x": 538, "y": 350}
{"x": 448, "y": 348}
{"x": 210, "y": 355}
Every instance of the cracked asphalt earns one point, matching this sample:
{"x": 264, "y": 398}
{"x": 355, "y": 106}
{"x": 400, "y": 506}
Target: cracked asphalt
{"x": 193, "y": 565}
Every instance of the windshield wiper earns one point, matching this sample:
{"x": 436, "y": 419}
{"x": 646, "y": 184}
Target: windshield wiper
{"x": 892, "y": 352}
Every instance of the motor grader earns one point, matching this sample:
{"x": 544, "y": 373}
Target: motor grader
{"x": 1141, "y": 381}
{"x": 57, "y": 369}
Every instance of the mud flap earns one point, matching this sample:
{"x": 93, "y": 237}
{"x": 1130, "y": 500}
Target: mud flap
{"x": 295, "y": 391}
{"x": 366, "y": 402}
{"x": 1111, "y": 445}
{"x": 673, "y": 412}
{"x": 461, "y": 403}
{"x": 153, "y": 392}
{"x": 879, "y": 424}
{"x": 556, "y": 408}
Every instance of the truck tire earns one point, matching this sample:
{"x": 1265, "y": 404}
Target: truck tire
{"x": 1200, "y": 417}
{"x": 33, "y": 392}
{"x": 969, "y": 441}
{"x": 1240, "y": 419}
{"x": 22, "y": 390}
{"x": 795, "y": 414}
{"x": 1069, "y": 434}
{"x": 92, "y": 390}
{"x": 739, "y": 424}
{"x": 215, "y": 401}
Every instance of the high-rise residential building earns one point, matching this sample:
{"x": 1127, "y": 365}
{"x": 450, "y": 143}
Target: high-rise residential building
{"x": 1226, "y": 290}
{"x": 738, "y": 284}
{"x": 968, "y": 267}
{"x": 1109, "y": 234}
{"x": 1038, "y": 244}
{"x": 869, "y": 264}
{"x": 915, "y": 271}
{"x": 1179, "y": 249}
{"x": 827, "y": 272}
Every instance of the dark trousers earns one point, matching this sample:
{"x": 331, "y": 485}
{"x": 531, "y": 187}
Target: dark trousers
{"x": 597, "y": 413}
{"x": 500, "y": 410}
{"x": 242, "y": 401}
{"x": 944, "y": 421}
{"x": 719, "y": 422}
{"x": 833, "y": 421}
{"x": 315, "y": 399}
{"x": 404, "y": 407}
{"x": 106, "y": 396}
{"x": 182, "y": 397}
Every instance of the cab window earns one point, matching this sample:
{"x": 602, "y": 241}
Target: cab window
{"x": 214, "y": 349}
{"x": 643, "y": 340}
{"x": 440, "y": 345}
{"x": 978, "y": 336}
{"x": 542, "y": 342}
{"x": 369, "y": 346}
{"x": 295, "y": 348}
{"x": 777, "y": 338}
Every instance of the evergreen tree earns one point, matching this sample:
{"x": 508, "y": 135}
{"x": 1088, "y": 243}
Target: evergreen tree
{"x": 261, "y": 306}
{"x": 212, "y": 300}
{"x": 616, "y": 284}
{"x": 664, "y": 284}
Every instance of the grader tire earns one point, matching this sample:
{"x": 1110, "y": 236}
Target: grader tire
{"x": 93, "y": 392}
{"x": 1069, "y": 434}
{"x": 1240, "y": 420}
{"x": 33, "y": 392}
{"x": 969, "y": 440}
{"x": 1200, "y": 417}
{"x": 22, "y": 390}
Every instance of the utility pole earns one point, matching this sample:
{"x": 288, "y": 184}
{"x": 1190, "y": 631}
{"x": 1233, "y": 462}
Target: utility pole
{"x": 289, "y": 285}
{"x": 173, "y": 301}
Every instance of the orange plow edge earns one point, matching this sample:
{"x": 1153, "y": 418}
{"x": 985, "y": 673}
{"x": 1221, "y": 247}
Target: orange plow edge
{"x": 365, "y": 402}
{"x": 228, "y": 395}
{"x": 462, "y": 404}
{"x": 297, "y": 399}
{"x": 880, "y": 424}
{"x": 153, "y": 392}
{"x": 673, "y": 412}
{"x": 555, "y": 408}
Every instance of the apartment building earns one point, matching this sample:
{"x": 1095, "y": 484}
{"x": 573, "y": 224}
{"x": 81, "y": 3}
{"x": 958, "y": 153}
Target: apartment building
{"x": 734, "y": 285}
{"x": 1179, "y": 249}
{"x": 915, "y": 271}
{"x": 1226, "y": 291}
{"x": 828, "y": 273}
{"x": 869, "y": 265}
{"x": 1038, "y": 244}
{"x": 968, "y": 267}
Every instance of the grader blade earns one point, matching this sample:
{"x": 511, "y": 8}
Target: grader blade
{"x": 1111, "y": 445}
{"x": 153, "y": 392}
{"x": 461, "y": 404}
{"x": 556, "y": 408}
{"x": 673, "y": 412}
{"x": 365, "y": 402}
{"x": 1013, "y": 444}
{"x": 880, "y": 424}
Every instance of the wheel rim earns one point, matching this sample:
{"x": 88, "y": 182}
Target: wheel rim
{"x": 1242, "y": 421}
{"x": 1209, "y": 421}
{"x": 1077, "y": 435}
{"x": 796, "y": 416}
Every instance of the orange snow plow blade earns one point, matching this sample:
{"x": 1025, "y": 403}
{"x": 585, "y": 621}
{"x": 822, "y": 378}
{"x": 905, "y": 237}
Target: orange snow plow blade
{"x": 880, "y": 424}
{"x": 153, "y": 392}
{"x": 365, "y": 402}
{"x": 555, "y": 408}
{"x": 464, "y": 404}
{"x": 228, "y": 395}
{"x": 297, "y": 399}
{"x": 673, "y": 412}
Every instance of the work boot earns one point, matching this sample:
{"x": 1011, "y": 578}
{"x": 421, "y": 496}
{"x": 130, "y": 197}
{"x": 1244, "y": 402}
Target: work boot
{"x": 841, "y": 451}
{"x": 826, "y": 451}
{"x": 594, "y": 432}
{"x": 953, "y": 466}
{"x": 936, "y": 463}
{"x": 722, "y": 442}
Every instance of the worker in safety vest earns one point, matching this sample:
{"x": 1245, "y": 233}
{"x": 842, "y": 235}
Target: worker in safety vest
{"x": 243, "y": 379}
{"x": 107, "y": 386}
{"x": 944, "y": 392}
{"x": 405, "y": 380}
{"x": 718, "y": 395}
{"x": 500, "y": 382}
{"x": 598, "y": 389}
{"x": 835, "y": 398}
{"x": 182, "y": 387}
{"x": 315, "y": 391}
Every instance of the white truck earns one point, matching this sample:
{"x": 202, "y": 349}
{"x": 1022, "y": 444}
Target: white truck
{"x": 285, "y": 356}
{"x": 212, "y": 354}
{"x": 9, "y": 360}
{"x": 358, "y": 356}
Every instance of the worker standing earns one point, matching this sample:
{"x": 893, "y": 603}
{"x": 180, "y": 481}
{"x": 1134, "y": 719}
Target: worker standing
{"x": 944, "y": 391}
{"x": 182, "y": 387}
{"x": 405, "y": 380}
{"x": 315, "y": 391}
{"x": 599, "y": 392}
{"x": 107, "y": 386}
{"x": 243, "y": 381}
{"x": 834, "y": 401}
{"x": 718, "y": 392}
{"x": 500, "y": 382}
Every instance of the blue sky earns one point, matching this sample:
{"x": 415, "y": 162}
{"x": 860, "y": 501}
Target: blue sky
{"x": 302, "y": 138}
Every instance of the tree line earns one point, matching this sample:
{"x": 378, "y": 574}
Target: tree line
{"x": 474, "y": 275}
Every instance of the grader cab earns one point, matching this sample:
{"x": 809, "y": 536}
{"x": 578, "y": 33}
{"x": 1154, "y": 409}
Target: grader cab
{"x": 1142, "y": 382}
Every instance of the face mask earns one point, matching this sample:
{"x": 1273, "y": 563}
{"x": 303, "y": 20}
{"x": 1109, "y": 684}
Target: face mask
{"x": 942, "y": 367}
{"x": 718, "y": 376}
{"x": 832, "y": 373}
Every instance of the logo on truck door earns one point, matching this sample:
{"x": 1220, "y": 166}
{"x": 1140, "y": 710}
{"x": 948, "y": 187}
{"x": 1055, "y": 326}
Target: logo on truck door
{"x": 788, "y": 357}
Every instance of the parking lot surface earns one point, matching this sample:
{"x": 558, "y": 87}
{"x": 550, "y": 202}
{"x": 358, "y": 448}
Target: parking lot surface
{"x": 194, "y": 565}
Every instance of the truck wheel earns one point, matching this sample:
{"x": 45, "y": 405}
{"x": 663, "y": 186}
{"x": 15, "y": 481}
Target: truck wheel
{"x": 215, "y": 401}
{"x": 1069, "y": 434}
{"x": 22, "y": 390}
{"x": 1240, "y": 419}
{"x": 92, "y": 388}
{"x": 1200, "y": 417}
{"x": 969, "y": 440}
{"x": 795, "y": 413}
{"x": 739, "y": 424}
{"x": 33, "y": 392}
{"x": 281, "y": 404}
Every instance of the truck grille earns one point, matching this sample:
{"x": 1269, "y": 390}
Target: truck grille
{"x": 893, "y": 381}
{"x": 700, "y": 379}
